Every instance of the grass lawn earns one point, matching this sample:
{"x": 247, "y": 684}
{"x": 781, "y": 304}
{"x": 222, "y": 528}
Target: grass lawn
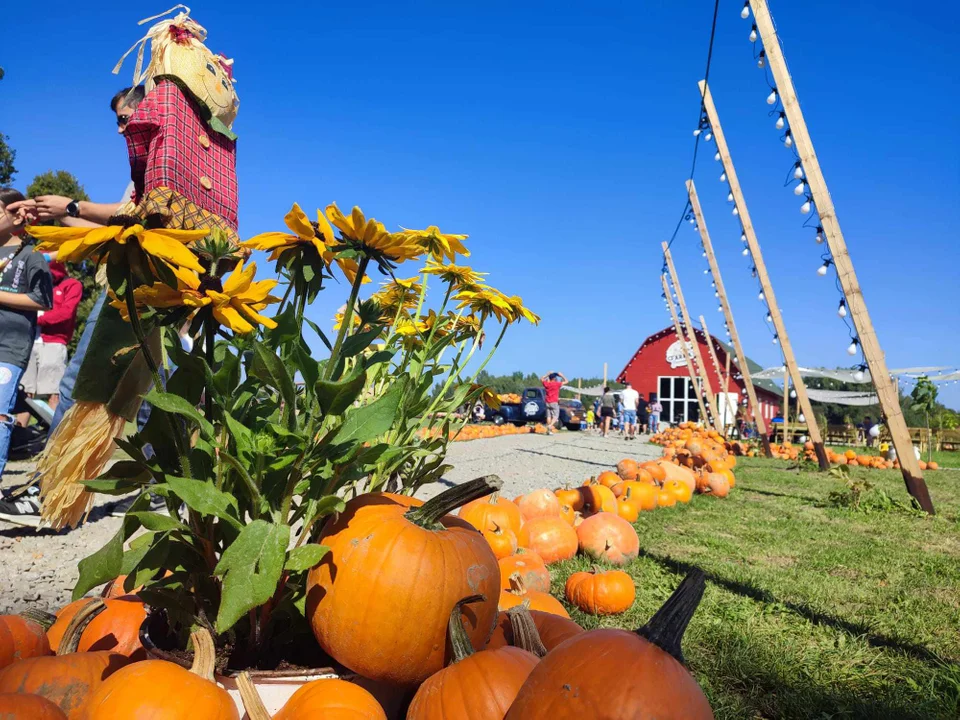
{"x": 810, "y": 611}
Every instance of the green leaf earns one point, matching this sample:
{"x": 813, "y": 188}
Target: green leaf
{"x": 153, "y": 560}
{"x": 319, "y": 332}
{"x": 138, "y": 548}
{"x": 335, "y": 397}
{"x": 117, "y": 486}
{"x": 270, "y": 369}
{"x": 355, "y": 344}
{"x": 168, "y": 402}
{"x": 226, "y": 379}
{"x": 159, "y": 522}
{"x": 201, "y": 496}
{"x": 241, "y": 435}
{"x": 103, "y": 566}
{"x": 304, "y": 558}
{"x": 371, "y": 420}
{"x": 381, "y": 356}
{"x": 251, "y": 568}
{"x": 307, "y": 366}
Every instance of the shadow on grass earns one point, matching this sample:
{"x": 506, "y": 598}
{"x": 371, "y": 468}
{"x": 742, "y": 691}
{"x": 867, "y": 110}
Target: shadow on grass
{"x": 804, "y": 498}
{"x": 917, "y": 652}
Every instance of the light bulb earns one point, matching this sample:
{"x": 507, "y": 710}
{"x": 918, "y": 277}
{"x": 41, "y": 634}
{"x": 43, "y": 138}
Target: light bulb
{"x": 753, "y": 34}
{"x": 805, "y": 208}
{"x": 691, "y": 220}
{"x": 771, "y": 99}
{"x": 852, "y": 350}
{"x": 822, "y": 270}
{"x": 743, "y": 237}
{"x": 842, "y": 310}
{"x": 729, "y": 197}
{"x": 746, "y": 251}
{"x": 719, "y": 308}
{"x": 716, "y": 294}
{"x": 708, "y": 137}
{"x": 800, "y": 189}
{"x": 736, "y": 210}
{"x": 717, "y": 157}
{"x": 712, "y": 284}
{"x": 788, "y": 141}
{"x": 703, "y": 254}
{"x": 858, "y": 376}
{"x": 769, "y": 317}
{"x": 760, "y": 296}
{"x": 723, "y": 177}
{"x": 762, "y": 60}
{"x": 780, "y": 121}
{"x": 774, "y": 341}
{"x": 819, "y": 237}
{"x": 793, "y": 393}
{"x": 798, "y": 172}
{"x": 697, "y": 132}
{"x": 801, "y": 418}
{"x": 706, "y": 272}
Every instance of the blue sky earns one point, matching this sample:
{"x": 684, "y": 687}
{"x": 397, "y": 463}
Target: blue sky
{"x": 558, "y": 136}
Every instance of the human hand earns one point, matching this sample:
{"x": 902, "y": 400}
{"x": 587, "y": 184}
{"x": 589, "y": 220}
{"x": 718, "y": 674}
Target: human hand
{"x": 23, "y": 212}
{"x": 52, "y": 207}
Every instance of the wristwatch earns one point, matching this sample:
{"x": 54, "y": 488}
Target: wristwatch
{"x": 73, "y": 209}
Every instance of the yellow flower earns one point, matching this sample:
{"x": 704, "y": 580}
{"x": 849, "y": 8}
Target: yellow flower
{"x": 487, "y": 396}
{"x": 438, "y": 244}
{"x": 459, "y": 276}
{"x": 486, "y": 301}
{"x": 78, "y": 244}
{"x": 319, "y": 235}
{"x": 400, "y": 291}
{"x": 407, "y": 327}
{"x": 519, "y": 311}
{"x": 235, "y": 305}
{"x": 372, "y": 236}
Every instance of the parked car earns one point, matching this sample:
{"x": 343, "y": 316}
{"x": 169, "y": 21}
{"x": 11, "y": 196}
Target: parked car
{"x": 532, "y": 408}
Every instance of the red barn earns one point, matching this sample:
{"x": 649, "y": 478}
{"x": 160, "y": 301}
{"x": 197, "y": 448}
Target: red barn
{"x": 658, "y": 368}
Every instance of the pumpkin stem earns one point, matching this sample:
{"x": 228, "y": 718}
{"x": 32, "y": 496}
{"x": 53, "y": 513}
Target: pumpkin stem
{"x": 666, "y": 627}
{"x": 70, "y": 642}
{"x": 517, "y": 585}
{"x": 460, "y": 645}
{"x": 494, "y": 497}
{"x": 40, "y": 617}
{"x": 525, "y": 633}
{"x": 252, "y": 703}
{"x": 429, "y": 514}
{"x": 204, "y": 653}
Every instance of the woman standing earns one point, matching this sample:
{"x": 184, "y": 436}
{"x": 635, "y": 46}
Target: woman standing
{"x": 608, "y": 408}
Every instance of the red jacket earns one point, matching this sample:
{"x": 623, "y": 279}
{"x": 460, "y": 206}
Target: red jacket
{"x": 57, "y": 325}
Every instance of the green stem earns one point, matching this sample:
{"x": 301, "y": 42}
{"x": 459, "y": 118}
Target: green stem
{"x": 503, "y": 331}
{"x": 209, "y": 332}
{"x": 429, "y": 514}
{"x": 460, "y": 646}
{"x": 525, "y": 633}
{"x": 347, "y": 317}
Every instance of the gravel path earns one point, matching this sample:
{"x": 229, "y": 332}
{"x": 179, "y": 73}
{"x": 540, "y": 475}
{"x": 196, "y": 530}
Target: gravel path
{"x": 40, "y": 568}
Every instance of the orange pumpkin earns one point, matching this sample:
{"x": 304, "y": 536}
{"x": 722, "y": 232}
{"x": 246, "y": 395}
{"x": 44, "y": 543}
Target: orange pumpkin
{"x": 568, "y": 514}
{"x": 627, "y": 509}
{"x": 728, "y": 474}
{"x": 518, "y": 593}
{"x": 933, "y": 465}
{"x": 718, "y": 485}
{"x": 569, "y": 496}
{"x": 492, "y": 511}
{"x": 19, "y": 706}
{"x": 550, "y": 537}
{"x": 598, "y": 498}
{"x": 116, "y": 629}
{"x": 539, "y": 503}
{"x": 327, "y": 698}
{"x": 644, "y": 476}
{"x": 680, "y": 490}
{"x": 531, "y": 568}
{"x": 601, "y": 593}
{"x": 164, "y": 690}
{"x": 423, "y": 560}
{"x": 655, "y": 470}
{"x": 552, "y": 629}
{"x": 475, "y": 684}
{"x": 68, "y": 678}
{"x": 627, "y": 469}
{"x": 665, "y": 498}
{"x": 608, "y": 478}
{"x": 502, "y": 541}
{"x": 606, "y": 536}
{"x": 643, "y": 495}
{"x": 23, "y": 636}
{"x": 574, "y": 680}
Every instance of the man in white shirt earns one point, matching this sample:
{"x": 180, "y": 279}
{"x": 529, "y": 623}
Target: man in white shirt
{"x": 630, "y": 399}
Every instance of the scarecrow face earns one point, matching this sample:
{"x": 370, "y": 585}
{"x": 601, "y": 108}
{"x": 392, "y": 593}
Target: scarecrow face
{"x": 206, "y": 77}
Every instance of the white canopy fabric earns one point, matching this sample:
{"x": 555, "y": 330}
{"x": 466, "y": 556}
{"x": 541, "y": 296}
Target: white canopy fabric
{"x": 595, "y": 391}
{"x": 843, "y": 397}
{"x": 851, "y": 376}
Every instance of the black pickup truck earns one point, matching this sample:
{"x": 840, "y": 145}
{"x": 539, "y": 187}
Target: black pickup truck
{"x": 532, "y": 408}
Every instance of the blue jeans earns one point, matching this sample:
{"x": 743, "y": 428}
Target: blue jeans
{"x": 9, "y": 381}
{"x": 73, "y": 367}
{"x": 630, "y": 417}
{"x": 654, "y": 423}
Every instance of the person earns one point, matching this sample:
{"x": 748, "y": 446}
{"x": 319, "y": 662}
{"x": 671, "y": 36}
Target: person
{"x": 25, "y": 289}
{"x": 630, "y": 399}
{"x": 654, "y": 408}
{"x": 552, "y": 382}
{"x": 608, "y": 404}
{"x": 591, "y": 418}
{"x": 643, "y": 415}
{"x": 867, "y": 424}
{"x": 48, "y": 361}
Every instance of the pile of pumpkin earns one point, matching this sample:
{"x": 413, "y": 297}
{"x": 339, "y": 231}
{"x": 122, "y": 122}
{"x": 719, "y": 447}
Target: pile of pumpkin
{"x": 480, "y": 431}
{"x": 851, "y": 457}
{"x": 414, "y": 601}
{"x": 677, "y": 437}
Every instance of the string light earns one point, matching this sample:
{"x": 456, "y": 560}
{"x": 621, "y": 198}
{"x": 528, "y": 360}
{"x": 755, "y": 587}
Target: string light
{"x": 842, "y": 310}
{"x": 822, "y": 270}
{"x": 753, "y": 33}
{"x": 793, "y": 393}
{"x": 697, "y": 132}
{"x": 723, "y": 177}
{"x": 736, "y": 210}
{"x": 743, "y": 237}
{"x": 858, "y": 375}
{"x": 800, "y": 189}
{"x": 760, "y": 296}
{"x": 717, "y": 157}
{"x": 730, "y": 197}
{"x": 745, "y": 13}
{"x": 708, "y": 137}
{"x": 806, "y": 207}
{"x": 819, "y": 237}
{"x": 782, "y": 120}
{"x": 854, "y": 344}
{"x": 801, "y": 418}
{"x": 771, "y": 99}
{"x": 775, "y": 338}
{"x": 746, "y": 251}
{"x": 788, "y": 139}
{"x": 769, "y": 317}
{"x": 762, "y": 59}
{"x": 798, "y": 171}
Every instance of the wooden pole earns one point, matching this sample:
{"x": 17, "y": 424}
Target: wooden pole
{"x": 728, "y": 316}
{"x": 604, "y": 374}
{"x": 579, "y": 387}
{"x": 790, "y": 360}
{"x": 724, "y": 381}
{"x": 856, "y": 305}
{"x": 786, "y": 405}
{"x": 692, "y": 333}
{"x": 686, "y": 352}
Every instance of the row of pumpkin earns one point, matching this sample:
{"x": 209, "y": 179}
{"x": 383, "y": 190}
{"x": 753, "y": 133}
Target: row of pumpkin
{"x": 409, "y": 597}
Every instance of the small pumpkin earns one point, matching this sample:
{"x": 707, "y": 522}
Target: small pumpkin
{"x": 323, "y": 699}
{"x": 518, "y": 593}
{"x": 68, "y": 678}
{"x": 601, "y": 593}
{"x": 492, "y": 511}
{"x": 165, "y": 691}
{"x": 627, "y": 509}
{"x": 550, "y": 537}
{"x": 552, "y": 629}
{"x": 574, "y": 680}
{"x": 389, "y": 562}
{"x": 116, "y": 629}
{"x": 665, "y": 498}
{"x": 656, "y": 470}
{"x": 20, "y": 706}
{"x": 475, "y": 685}
{"x": 529, "y": 566}
{"x": 681, "y": 491}
{"x": 569, "y": 496}
{"x": 643, "y": 495}
{"x": 501, "y": 540}
{"x": 568, "y": 514}
{"x": 608, "y": 478}
{"x": 23, "y": 636}
{"x": 606, "y": 536}
{"x": 627, "y": 469}
{"x": 598, "y": 498}
{"x": 718, "y": 485}
{"x": 538, "y": 504}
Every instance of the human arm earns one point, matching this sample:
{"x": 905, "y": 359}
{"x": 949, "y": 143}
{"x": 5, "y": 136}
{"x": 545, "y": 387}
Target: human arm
{"x": 66, "y": 307}
{"x": 563, "y": 378}
{"x": 54, "y": 207}
{"x": 19, "y": 301}
{"x": 78, "y": 222}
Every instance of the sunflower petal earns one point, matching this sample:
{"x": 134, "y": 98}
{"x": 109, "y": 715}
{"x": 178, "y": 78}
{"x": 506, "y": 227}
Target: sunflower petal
{"x": 298, "y": 222}
{"x": 158, "y": 244}
{"x": 270, "y": 241}
{"x": 228, "y": 316}
{"x": 239, "y": 280}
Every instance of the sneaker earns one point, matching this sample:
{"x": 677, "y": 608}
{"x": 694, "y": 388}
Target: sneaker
{"x": 23, "y": 509}
{"x": 16, "y": 491}
{"x": 119, "y": 508}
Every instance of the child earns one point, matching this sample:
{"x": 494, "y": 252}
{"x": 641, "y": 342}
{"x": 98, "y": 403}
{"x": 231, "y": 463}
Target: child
{"x": 591, "y": 418}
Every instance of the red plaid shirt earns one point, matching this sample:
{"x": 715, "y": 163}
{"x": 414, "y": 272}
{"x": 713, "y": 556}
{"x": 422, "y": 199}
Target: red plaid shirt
{"x": 171, "y": 146}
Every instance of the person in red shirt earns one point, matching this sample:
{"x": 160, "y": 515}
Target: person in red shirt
{"x": 48, "y": 361}
{"x": 552, "y": 382}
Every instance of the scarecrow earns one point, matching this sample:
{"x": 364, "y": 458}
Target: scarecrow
{"x": 182, "y": 154}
